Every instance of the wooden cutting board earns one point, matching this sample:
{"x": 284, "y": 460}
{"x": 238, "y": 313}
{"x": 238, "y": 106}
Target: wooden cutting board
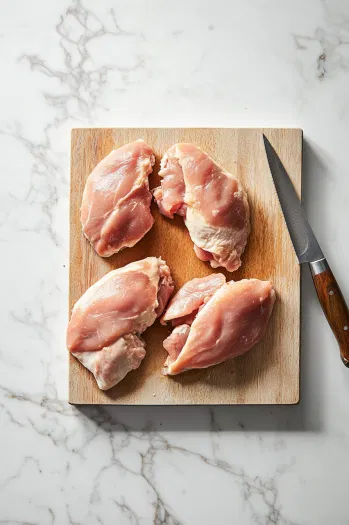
{"x": 269, "y": 373}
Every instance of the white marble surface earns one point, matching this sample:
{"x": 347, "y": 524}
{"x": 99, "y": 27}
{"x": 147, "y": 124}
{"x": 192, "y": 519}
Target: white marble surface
{"x": 213, "y": 63}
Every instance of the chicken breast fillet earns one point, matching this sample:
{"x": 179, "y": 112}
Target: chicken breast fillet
{"x": 185, "y": 304}
{"x": 229, "y": 324}
{"x": 107, "y": 320}
{"x": 115, "y": 209}
{"x": 211, "y": 200}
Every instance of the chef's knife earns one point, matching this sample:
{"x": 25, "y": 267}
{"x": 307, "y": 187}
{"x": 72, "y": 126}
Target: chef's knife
{"x": 308, "y": 250}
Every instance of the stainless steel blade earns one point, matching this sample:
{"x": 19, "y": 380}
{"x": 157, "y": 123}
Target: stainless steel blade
{"x": 302, "y": 236}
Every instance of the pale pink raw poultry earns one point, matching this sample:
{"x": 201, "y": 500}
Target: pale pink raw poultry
{"x": 106, "y": 321}
{"x": 212, "y": 201}
{"x": 184, "y": 305}
{"x": 229, "y": 324}
{"x": 115, "y": 209}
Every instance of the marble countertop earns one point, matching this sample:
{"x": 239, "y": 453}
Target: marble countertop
{"x": 184, "y": 63}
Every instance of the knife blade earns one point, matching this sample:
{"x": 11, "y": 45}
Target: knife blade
{"x": 308, "y": 250}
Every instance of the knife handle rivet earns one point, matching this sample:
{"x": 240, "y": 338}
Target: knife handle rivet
{"x": 331, "y": 292}
{"x": 345, "y": 328}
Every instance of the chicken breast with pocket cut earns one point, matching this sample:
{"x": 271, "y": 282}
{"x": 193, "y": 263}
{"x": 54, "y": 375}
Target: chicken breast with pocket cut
{"x": 229, "y": 324}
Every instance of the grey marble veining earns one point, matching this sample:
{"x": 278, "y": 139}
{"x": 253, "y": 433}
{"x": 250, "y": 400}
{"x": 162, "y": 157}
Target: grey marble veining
{"x": 78, "y": 63}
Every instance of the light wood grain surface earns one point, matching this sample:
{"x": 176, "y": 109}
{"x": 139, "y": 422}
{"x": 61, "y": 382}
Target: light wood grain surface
{"x": 269, "y": 373}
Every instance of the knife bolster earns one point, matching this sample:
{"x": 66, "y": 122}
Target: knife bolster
{"x": 319, "y": 266}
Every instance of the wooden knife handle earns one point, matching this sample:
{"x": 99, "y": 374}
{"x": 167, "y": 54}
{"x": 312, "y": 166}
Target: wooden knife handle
{"x": 333, "y": 305}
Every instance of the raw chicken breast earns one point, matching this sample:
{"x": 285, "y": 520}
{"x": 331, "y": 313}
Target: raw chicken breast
{"x": 111, "y": 364}
{"x": 212, "y": 201}
{"x": 175, "y": 342}
{"x": 185, "y": 304}
{"x": 233, "y": 320}
{"x": 115, "y": 209}
{"x": 105, "y": 320}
